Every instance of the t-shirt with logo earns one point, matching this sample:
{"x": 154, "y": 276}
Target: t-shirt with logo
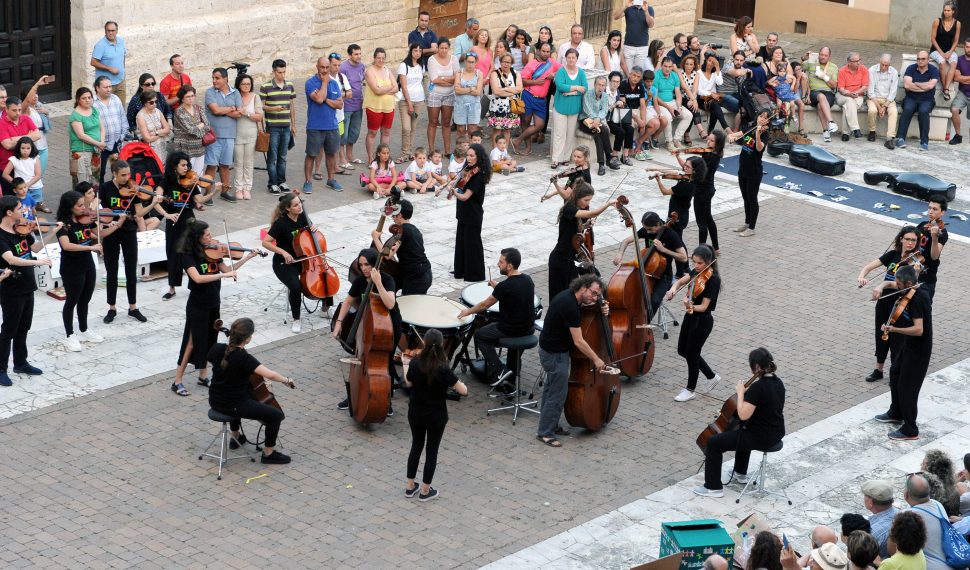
{"x": 925, "y": 245}
{"x": 111, "y": 198}
{"x": 283, "y": 231}
{"x": 631, "y": 94}
{"x": 202, "y": 295}
{"x": 891, "y": 260}
{"x": 516, "y": 309}
{"x": 78, "y": 234}
{"x": 181, "y": 204}
{"x": 417, "y": 173}
{"x": 281, "y": 97}
{"x": 19, "y": 246}
{"x": 671, "y": 241}
{"x": 750, "y": 158}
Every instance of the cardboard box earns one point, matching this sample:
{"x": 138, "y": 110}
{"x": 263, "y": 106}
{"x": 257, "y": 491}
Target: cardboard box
{"x": 696, "y": 540}
{"x": 671, "y": 562}
{"x": 748, "y": 528}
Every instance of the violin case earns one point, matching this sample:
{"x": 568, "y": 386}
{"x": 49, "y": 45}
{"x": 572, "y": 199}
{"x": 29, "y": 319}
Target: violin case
{"x": 916, "y": 184}
{"x": 810, "y": 157}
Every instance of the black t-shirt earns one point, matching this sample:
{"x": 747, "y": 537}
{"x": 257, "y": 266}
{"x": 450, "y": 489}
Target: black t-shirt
{"x": 516, "y": 309}
{"x": 919, "y": 307}
{"x": 713, "y": 162}
{"x": 410, "y": 255}
{"x": 583, "y": 173}
{"x": 179, "y": 197}
{"x": 925, "y": 245}
{"x": 283, "y": 231}
{"x": 680, "y": 201}
{"x": 632, "y": 95}
{"x": 357, "y": 290}
{"x": 112, "y": 198}
{"x": 564, "y": 313}
{"x": 472, "y": 211}
{"x": 711, "y": 290}
{"x": 19, "y": 246}
{"x": 78, "y": 234}
{"x": 202, "y": 295}
{"x": 671, "y": 241}
{"x": 767, "y": 395}
{"x": 891, "y": 259}
{"x": 230, "y": 386}
{"x": 750, "y": 158}
{"x": 427, "y": 402}
{"x": 568, "y": 227}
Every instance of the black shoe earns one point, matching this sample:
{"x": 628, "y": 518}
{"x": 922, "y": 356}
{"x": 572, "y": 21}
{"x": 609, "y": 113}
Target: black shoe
{"x": 601, "y": 170}
{"x": 390, "y": 410}
{"x": 890, "y": 143}
{"x": 614, "y": 164}
{"x": 237, "y": 442}
{"x": 857, "y": 134}
{"x": 431, "y": 494}
{"x": 886, "y": 419}
{"x": 875, "y": 376}
{"x": 136, "y": 314}
{"x": 502, "y": 376}
{"x": 956, "y": 139}
{"x": 275, "y": 458}
{"x": 110, "y": 316}
{"x": 228, "y": 197}
{"x": 845, "y": 137}
{"x": 26, "y": 368}
{"x": 872, "y": 136}
{"x": 344, "y": 405}
{"x": 502, "y": 391}
{"x": 409, "y": 493}
{"x": 5, "y": 379}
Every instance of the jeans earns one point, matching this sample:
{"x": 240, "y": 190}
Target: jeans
{"x": 922, "y": 109}
{"x": 731, "y": 103}
{"x": 279, "y": 143}
{"x": 556, "y": 367}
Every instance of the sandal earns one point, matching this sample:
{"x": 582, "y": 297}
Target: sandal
{"x": 168, "y": 295}
{"x": 550, "y": 441}
{"x": 180, "y": 389}
{"x": 204, "y": 382}
{"x": 946, "y": 94}
{"x": 317, "y": 176}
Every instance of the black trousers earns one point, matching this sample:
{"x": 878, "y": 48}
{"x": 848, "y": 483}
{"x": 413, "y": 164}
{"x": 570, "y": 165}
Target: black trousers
{"x": 742, "y": 442}
{"x": 705, "y": 221}
{"x": 469, "y": 252}
{"x": 660, "y": 288}
{"x": 717, "y": 116}
{"x": 485, "y": 339}
{"x": 681, "y": 267}
{"x": 622, "y": 135}
{"x": 126, "y": 242}
{"x": 18, "y": 314}
{"x": 694, "y": 330}
{"x": 416, "y": 284}
{"x": 427, "y": 437}
{"x": 884, "y": 309}
{"x": 289, "y": 275}
{"x": 750, "y": 184}
{"x": 562, "y": 270}
{"x": 601, "y": 140}
{"x": 173, "y": 260}
{"x": 79, "y": 282}
{"x": 906, "y": 375}
{"x": 199, "y": 323}
{"x": 253, "y": 410}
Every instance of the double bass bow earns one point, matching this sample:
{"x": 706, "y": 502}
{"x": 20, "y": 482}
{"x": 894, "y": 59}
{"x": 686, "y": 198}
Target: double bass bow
{"x": 391, "y": 208}
{"x": 593, "y": 396}
{"x": 727, "y": 419}
{"x": 318, "y": 279}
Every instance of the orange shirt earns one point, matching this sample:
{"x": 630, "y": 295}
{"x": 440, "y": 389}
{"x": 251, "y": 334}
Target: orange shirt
{"x": 853, "y": 81}
{"x": 169, "y": 87}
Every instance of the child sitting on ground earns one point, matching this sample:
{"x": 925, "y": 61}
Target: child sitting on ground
{"x": 501, "y": 160}
{"x": 418, "y": 177}
{"x": 383, "y": 174}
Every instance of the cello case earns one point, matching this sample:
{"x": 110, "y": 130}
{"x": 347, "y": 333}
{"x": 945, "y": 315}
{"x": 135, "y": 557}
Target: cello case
{"x": 917, "y": 184}
{"x": 592, "y": 397}
{"x": 810, "y": 157}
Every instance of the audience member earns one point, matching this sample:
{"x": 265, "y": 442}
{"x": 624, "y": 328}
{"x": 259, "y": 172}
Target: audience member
{"x": 610, "y": 57}
{"x": 908, "y": 535}
{"x": 151, "y": 125}
{"x": 85, "y": 132}
{"x": 171, "y": 83}
{"x": 822, "y": 79}
{"x": 280, "y": 117}
{"x": 715, "y": 562}
{"x": 354, "y": 69}
{"x": 505, "y": 85}
{"x": 821, "y": 535}
{"x": 765, "y": 553}
{"x": 930, "y": 511}
{"x": 877, "y": 495}
{"x": 945, "y": 36}
{"x": 852, "y": 86}
{"x": 883, "y": 83}
{"x": 522, "y": 52}
{"x": 655, "y": 53}
{"x": 247, "y": 128}
{"x": 939, "y": 463}
{"x": 592, "y": 121}
{"x": 379, "y": 90}
{"x": 639, "y": 18}
{"x": 464, "y": 42}
{"x": 424, "y": 37}
{"x": 223, "y": 107}
{"x": 108, "y": 58}
{"x": 671, "y": 97}
{"x": 771, "y": 41}
{"x": 410, "y": 105}
{"x": 324, "y": 97}
{"x": 961, "y": 100}
{"x": 146, "y": 81}
{"x": 442, "y": 75}
{"x": 708, "y": 83}
{"x": 851, "y": 522}
{"x": 112, "y": 113}
{"x": 39, "y": 115}
{"x": 189, "y": 125}
{"x": 919, "y": 81}
{"x": 536, "y": 79}
{"x": 861, "y": 549}
{"x": 571, "y": 85}
{"x": 586, "y": 56}
{"x": 743, "y": 38}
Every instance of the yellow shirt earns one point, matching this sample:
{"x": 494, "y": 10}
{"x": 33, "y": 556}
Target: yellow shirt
{"x": 379, "y": 103}
{"x": 900, "y": 561}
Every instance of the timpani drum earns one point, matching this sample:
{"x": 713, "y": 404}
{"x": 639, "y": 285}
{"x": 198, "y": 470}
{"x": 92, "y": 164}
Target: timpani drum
{"x": 478, "y": 292}
{"x": 423, "y": 312}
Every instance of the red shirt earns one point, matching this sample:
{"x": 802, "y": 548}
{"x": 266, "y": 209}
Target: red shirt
{"x": 169, "y": 87}
{"x": 9, "y": 130}
{"x": 853, "y": 81}
{"x": 540, "y": 91}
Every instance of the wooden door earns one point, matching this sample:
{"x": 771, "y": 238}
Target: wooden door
{"x": 447, "y": 17}
{"x": 728, "y": 10}
{"x": 34, "y": 41}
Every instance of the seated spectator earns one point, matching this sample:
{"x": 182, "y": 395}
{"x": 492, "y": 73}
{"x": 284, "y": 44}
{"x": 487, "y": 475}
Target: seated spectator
{"x": 878, "y": 498}
{"x": 654, "y": 122}
{"x": 708, "y": 82}
{"x": 733, "y": 75}
{"x": 620, "y": 119}
{"x": 930, "y": 511}
{"x": 655, "y": 52}
{"x": 500, "y": 158}
{"x": 715, "y": 562}
{"x": 851, "y": 522}
{"x": 679, "y": 51}
{"x": 825, "y": 557}
{"x": 919, "y": 81}
{"x": 611, "y": 58}
{"x": 961, "y": 100}
{"x": 939, "y": 464}
{"x": 592, "y": 121}
{"x": 771, "y": 40}
{"x": 765, "y": 553}
{"x": 689, "y": 70}
{"x": 908, "y": 534}
{"x": 672, "y": 99}
{"x": 963, "y": 486}
{"x": 851, "y": 87}
{"x": 821, "y": 535}
{"x": 883, "y": 82}
{"x": 822, "y": 79}
{"x": 944, "y": 36}
{"x": 418, "y": 175}
{"x": 743, "y": 38}
{"x": 861, "y": 549}
{"x": 785, "y": 85}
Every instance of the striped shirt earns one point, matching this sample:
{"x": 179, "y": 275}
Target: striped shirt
{"x": 280, "y": 97}
{"x": 114, "y": 119}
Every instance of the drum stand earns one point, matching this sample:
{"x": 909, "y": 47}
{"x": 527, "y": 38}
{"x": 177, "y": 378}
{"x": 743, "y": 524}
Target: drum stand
{"x": 664, "y": 317}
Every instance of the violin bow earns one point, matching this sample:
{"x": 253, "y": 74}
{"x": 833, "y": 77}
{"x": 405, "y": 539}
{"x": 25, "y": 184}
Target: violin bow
{"x": 617, "y": 187}
{"x": 232, "y": 265}
{"x": 884, "y": 269}
{"x": 899, "y": 291}
{"x": 41, "y": 234}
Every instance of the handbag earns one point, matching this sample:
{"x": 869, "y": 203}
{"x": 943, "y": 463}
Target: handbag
{"x": 956, "y": 549}
{"x": 517, "y": 105}
{"x": 209, "y": 137}
{"x": 262, "y": 141}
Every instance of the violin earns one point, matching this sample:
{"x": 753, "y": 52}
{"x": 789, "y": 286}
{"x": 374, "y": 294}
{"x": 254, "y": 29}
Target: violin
{"x": 669, "y": 176}
{"x": 727, "y": 419}
{"x": 459, "y": 182}
{"x": 695, "y": 288}
{"x": 899, "y": 307}
{"x": 318, "y": 279}
{"x": 392, "y": 207}
{"x": 26, "y": 227}
{"x": 697, "y": 150}
{"x": 262, "y": 392}
{"x": 217, "y": 251}
{"x": 593, "y": 396}
{"x": 192, "y": 179}
{"x": 131, "y": 189}
{"x": 105, "y": 216}
{"x": 566, "y": 173}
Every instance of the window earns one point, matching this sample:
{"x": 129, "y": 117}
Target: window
{"x": 595, "y": 17}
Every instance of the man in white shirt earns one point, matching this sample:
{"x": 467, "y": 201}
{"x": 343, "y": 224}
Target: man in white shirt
{"x": 883, "y": 82}
{"x": 587, "y": 57}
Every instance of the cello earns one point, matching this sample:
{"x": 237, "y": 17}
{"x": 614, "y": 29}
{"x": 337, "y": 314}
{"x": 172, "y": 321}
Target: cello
{"x": 593, "y": 396}
{"x": 318, "y": 279}
{"x": 653, "y": 262}
{"x": 392, "y": 207}
{"x": 629, "y": 298}
{"x": 262, "y": 393}
{"x": 728, "y": 420}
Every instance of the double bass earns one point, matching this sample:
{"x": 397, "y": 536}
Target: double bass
{"x": 593, "y": 396}
{"x": 629, "y": 297}
{"x": 392, "y": 207}
{"x": 318, "y": 279}
{"x": 727, "y": 419}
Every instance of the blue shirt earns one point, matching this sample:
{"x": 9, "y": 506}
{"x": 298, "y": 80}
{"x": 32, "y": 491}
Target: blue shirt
{"x": 320, "y": 116}
{"x": 637, "y": 31}
{"x": 112, "y": 55}
{"x": 931, "y": 73}
{"x": 29, "y": 204}
{"x": 424, "y": 40}
{"x": 880, "y": 524}
{"x": 223, "y": 125}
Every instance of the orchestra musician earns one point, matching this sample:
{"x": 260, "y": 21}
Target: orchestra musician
{"x": 705, "y": 190}
{"x": 669, "y": 245}
{"x": 700, "y": 300}
{"x": 231, "y": 389}
{"x": 933, "y": 236}
{"x": 578, "y": 171}
{"x": 469, "y": 251}
{"x": 287, "y": 221}
{"x": 681, "y": 194}
{"x": 516, "y": 315}
{"x": 761, "y": 409}
{"x": 575, "y": 210}
{"x": 177, "y": 211}
{"x": 415, "y": 269}
{"x": 560, "y": 333}
{"x": 205, "y": 269}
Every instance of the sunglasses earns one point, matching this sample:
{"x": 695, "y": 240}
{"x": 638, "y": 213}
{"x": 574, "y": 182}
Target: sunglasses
{"x": 334, "y": 55}
{"x": 908, "y": 475}
{"x": 148, "y": 84}
{"x": 152, "y": 102}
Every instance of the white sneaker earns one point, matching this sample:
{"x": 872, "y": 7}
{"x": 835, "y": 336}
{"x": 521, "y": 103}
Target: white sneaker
{"x": 72, "y": 343}
{"x": 741, "y": 478}
{"x": 826, "y": 136}
{"x": 297, "y": 327}
{"x": 684, "y": 396}
{"x": 89, "y": 336}
{"x": 705, "y": 492}
{"x": 833, "y": 128}
{"x": 709, "y": 384}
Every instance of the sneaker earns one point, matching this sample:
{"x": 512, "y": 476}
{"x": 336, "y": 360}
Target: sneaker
{"x": 643, "y": 155}
{"x": 924, "y": 146}
{"x": 857, "y": 134}
{"x": 110, "y": 316}
{"x": 900, "y": 143}
{"x": 740, "y": 228}
{"x": 502, "y": 390}
{"x": 505, "y": 172}
{"x": 136, "y": 314}
{"x": 377, "y": 196}
{"x": 705, "y": 492}
{"x": 748, "y": 232}
{"x": 228, "y": 197}
{"x": 826, "y": 136}
{"x": 431, "y": 494}
{"x": 28, "y": 369}
{"x": 72, "y": 343}
{"x": 601, "y": 171}
{"x": 411, "y": 493}
{"x": 898, "y": 435}
{"x": 390, "y": 410}
{"x": 334, "y": 185}
{"x": 872, "y": 136}
{"x": 297, "y": 327}
{"x": 520, "y": 169}
{"x": 890, "y": 144}
{"x": 626, "y": 160}
{"x": 956, "y": 139}
{"x": 504, "y": 375}
{"x": 308, "y": 187}
{"x": 5, "y": 380}
{"x": 710, "y": 383}
{"x": 833, "y": 128}
{"x": 285, "y": 188}
{"x": 275, "y": 458}
{"x": 742, "y": 478}
{"x": 274, "y": 189}
{"x": 344, "y": 405}
{"x": 684, "y": 396}
{"x": 845, "y": 137}
{"x": 875, "y": 375}
{"x": 671, "y": 147}
{"x": 237, "y": 442}
{"x": 90, "y": 336}
{"x": 346, "y": 166}
{"x": 886, "y": 419}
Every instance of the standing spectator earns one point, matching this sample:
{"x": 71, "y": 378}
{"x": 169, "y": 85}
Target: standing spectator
{"x": 883, "y": 82}
{"x": 280, "y": 119}
{"x": 509, "y": 35}
{"x": 468, "y": 93}
{"x": 410, "y": 76}
{"x": 145, "y": 81}
{"x": 379, "y": 90}
{"x": 464, "y": 42}
{"x": 171, "y": 83}
{"x": 322, "y": 130}
{"x": 112, "y": 112}
{"x": 592, "y": 121}
{"x": 822, "y": 78}
{"x": 852, "y": 86}
{"x": 425, "y": 38}
{"x": 521, "y": 51}
{"x": 536, "y": 79}
{"x": 32, "y": 108}
{"x": 671, "y": 97}
{"x": 14, "y": 125}
{"x": 919, "y": 81}
{"x": 86, "y": 134}
{"x": 505, "y": 85}
{"x": 571, "y": 84}
{"x": 442, "y": 73}
{"x": 480, "y": 49}
{"x": 610, "y": 58}
{"x": 246, "y": 129}
{"x": 586, "y": 58}
{"x": 944, "y": 36}
{"x": 109, "y": 58}
{"x": 638, "y": 20}
{"x": 743, "y": 38}
{"x": 962, "y": 99}
{"x": 190, "y": 124}
{"x": 347, "y": 93}
{"x": 353, "y": 107}
{"x": 223, "y": 108}
{"x": 152, "y": 126}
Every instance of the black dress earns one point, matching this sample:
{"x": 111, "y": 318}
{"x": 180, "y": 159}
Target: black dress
{"x": 562, "y": 266}
{"x": 469, "y": 251}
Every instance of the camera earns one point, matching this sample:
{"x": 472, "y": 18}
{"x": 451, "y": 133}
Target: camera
{"x": 239, "y": 67}
{"x": 716, "y": 46}
{"x": 719, "y": 58}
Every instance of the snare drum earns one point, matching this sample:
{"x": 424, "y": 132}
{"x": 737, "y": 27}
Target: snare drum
{"x": 423, "y": 312}
{"x": 478, "y": 292}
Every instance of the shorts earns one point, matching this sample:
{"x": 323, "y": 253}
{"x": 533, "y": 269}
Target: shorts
{"x": 351, "y": 131}
{"x": 219, "y": 153}
{"x": 960, "y": 101}
{"x": 652, "y": 113}
{"x": 938, "y": 57}
{"x": 437, "y": 98}
{"x": 534, "y": 106}
{"x": 317, "y": 140}
{"x": 377, "y": 120}
{"x": 468, "y": 110}
{"x": 829, "y": 96}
